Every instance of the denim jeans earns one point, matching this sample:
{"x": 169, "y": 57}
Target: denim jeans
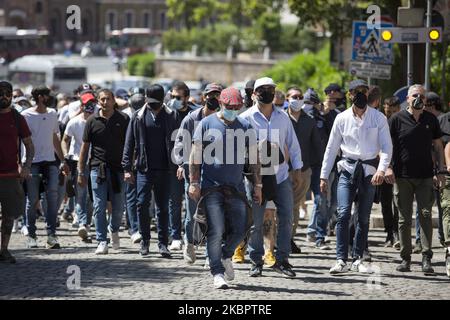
{"x": 81, "y": 206}
{"x": 328, "y": 205}
{"x": 158, "y": 180}
{"x": 69, "y": 207}
{"x": 346, "y": 192}
{"x": 221, "y": 212}
{"x": 51, "y": 211}
{"x": 191, "y": 206}
{"x": 175, "y": 199}
{"x": 284, "y": 202}
{"x": 131, "y": 206}
{"x": 319, "y": 201}
{"x": 100, "y": 193}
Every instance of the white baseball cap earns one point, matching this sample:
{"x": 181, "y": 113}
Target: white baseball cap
{"x": 264, "y": 82}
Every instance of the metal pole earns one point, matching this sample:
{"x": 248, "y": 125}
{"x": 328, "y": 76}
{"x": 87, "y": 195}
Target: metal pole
{"x": 428, "y": 48}
{"x": 369, "y": 81}
{"x": 410, "y": 65}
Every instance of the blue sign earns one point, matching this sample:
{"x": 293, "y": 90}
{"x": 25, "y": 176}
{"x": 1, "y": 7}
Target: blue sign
{"x": 368, "y": 45}
{"x": 401, "y": 94}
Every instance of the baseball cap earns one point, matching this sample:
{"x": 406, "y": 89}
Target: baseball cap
{"x": 264, "y": 82}
{"x": 311, "y": 96}
{"x": 155, "y": 93}
{"x": 231, "y": 97}
{"x": 122, "y": 94}
{"x": 86, "y": 97}
{"x": 137, "y": 101}
{"x": 357, "y": 83}
{"x": 332, "y": 87}
{"x": 212, "y": 87}
{"x": 137, "y": 90}
{"x": 84, "y": 87}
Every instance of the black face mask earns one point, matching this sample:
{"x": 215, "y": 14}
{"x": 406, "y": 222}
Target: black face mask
{"x": 155, "y": 105}
{"x": 4, "y": 103}
{"x": 340, "y": 102}
{"x": 248, "y": 102}
{"x": 417, "y": 103}
{"x": 360, "y": 100}
{"x": 265, "y": 97}
{"x": 212, "y": 104}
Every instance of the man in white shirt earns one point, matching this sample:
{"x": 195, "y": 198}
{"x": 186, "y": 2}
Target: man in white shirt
{"x": 362, "y": 134}
{"x": 43, "y": 123}
{"x": 71, "y": 145}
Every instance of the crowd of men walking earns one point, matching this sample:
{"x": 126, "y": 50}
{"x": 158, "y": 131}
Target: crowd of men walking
{"x": 239, "y": 164}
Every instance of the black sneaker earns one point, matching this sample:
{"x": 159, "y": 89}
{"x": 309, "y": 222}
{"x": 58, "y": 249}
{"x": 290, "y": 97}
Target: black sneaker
{"x": 405, "y": 266}
{"x": 367, "y": 256}
{"x": 256, "y": 270}
{"x": 284, "y": 268}
{"x": 7, "y": 257}
{"x": 144, "y": 250}
{"x": 164, "y": 252}
{"x": 294, "y": 247}
{"x": 321, "y": 244}
{"x": 427, "y": 269}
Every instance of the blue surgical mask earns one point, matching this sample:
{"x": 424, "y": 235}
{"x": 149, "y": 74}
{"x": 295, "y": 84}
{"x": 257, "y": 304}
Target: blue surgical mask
{"x": 230, "y": 115}
{"x": 175, "y": 104}
{"x": 295, "y": 105}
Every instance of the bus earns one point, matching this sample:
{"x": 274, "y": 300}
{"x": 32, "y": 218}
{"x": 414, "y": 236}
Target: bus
{"x": 60, "y": 73}
{"x": 15, "y": 43}
{"x": 130, "y": 41}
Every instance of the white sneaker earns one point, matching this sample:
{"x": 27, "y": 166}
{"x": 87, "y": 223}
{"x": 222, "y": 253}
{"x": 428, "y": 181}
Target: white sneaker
{"x": 83, "y": 232}
{"x": 15, "y": 228}
{"x": 359, "y": 266}
{"x": 31, "y": 242}
{"x": 302, "y": 214}
{"x": 102, "y": 248}
{"x": 219, "y": 282}
{"x": 447, "y": 262}
{"x": 52, "y": 242}
{"x": 339, "y": 267}
{"x": 24, "y": 231}
{"x": 177, "y": 245}
{"x": 206, "y": 266}
{"x": 229, "y": 271}
{"x": 136, "y": 237}
{"x": 189, "y": 253}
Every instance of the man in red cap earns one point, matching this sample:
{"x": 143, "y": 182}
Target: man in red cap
{"x": 216, "y": 175}
{"x": 71, "y": 146}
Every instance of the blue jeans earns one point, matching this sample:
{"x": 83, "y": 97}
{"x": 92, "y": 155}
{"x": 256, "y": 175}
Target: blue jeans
{"x": 100, "y": 193}
{"x": 320, "y": 201}
{"x": 284, "y": 202}
{"x": 158, "y": 180}
{"x": 191, "y": 206}
{"x": 346, "y": 192}
{"x": 175, "y": 199}
{"x": 131, "y": 206}
{"x": 69, "y": 207}
{"x": 221, "y": 211}
{"x": 51, "y": 211}
{"x": 81, "y": 206}
{"x": 330, "y": 201}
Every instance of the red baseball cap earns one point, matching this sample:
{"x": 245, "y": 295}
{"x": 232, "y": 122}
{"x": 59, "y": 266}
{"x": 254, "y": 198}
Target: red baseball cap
{"x": 86, "y": 97}
{"x": 231, "y": 97}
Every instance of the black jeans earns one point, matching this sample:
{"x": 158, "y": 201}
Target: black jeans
{"x": 388, "y": 208}
{"x": 159, "y": 181}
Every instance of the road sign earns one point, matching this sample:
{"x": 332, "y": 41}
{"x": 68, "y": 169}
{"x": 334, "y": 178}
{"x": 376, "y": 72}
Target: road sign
{"x": 368, "y": 46}
{"x": 370, "y": 70}
{"x": 411, "y": 35}
{"x": 401, "y": 94}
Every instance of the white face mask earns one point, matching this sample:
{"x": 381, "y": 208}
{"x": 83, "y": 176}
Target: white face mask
{"x": 295, "y": 105}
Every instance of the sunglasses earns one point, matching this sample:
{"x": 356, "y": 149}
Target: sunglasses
{"x": 415, "y": 95}
{"x": 296, "y": 97}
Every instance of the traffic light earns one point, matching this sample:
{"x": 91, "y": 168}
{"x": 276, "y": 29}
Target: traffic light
{"x": 386, "y": 35}
{"x": 434, "y": 35}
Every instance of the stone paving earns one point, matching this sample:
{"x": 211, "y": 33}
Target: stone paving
{"x": 49, "y": 274}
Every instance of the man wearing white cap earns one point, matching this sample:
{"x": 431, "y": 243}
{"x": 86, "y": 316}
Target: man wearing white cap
{"x": 274, "y": 126}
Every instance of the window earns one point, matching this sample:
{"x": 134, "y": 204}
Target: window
{"x": 129, "y": 19}
{"x": 146, "y": 20}
{"x": 85, "y": 27}
{"x": 163, "y": 20}
{"x": 38, "y": 7}
{"x": 69, "y": 73}
{"x": 111, "y": 20}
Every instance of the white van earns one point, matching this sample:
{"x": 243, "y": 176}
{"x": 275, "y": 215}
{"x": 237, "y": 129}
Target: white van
{"x": 60, "y": 73}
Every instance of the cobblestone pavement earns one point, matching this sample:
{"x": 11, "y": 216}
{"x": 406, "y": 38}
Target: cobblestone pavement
{"x": 123, "y": 274}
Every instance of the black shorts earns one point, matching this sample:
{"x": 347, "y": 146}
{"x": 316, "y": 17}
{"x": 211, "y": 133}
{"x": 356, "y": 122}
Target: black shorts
{"x": 12, "y": 198}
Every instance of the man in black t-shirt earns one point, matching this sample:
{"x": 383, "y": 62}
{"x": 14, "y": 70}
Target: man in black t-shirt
{"x": 414, "y": 133}
{"x": 105, "y": 133}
